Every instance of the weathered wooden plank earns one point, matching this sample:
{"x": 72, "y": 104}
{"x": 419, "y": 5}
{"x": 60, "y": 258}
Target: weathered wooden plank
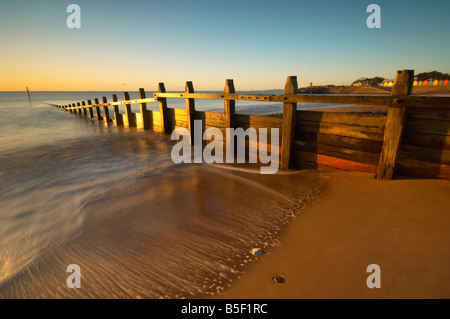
{"x": 339, "y": 152}
{"x": 428, "y": 126}
{"x": 211, "y": 118}
{"x": 356, "y": 131}
{"x": 426, "y": 140}
{"x": 343, "y": 118}
{"x": 394, "y": 126}
{"x": 412, "y": 167}
{"x": 341, "y": 141}
{"x": 431, "y": 114}
{"x": 260, "y": 121}
{"x": 426, "y": 154}
{"x": 394, "y": 101}
{"x": 334, "y": 162}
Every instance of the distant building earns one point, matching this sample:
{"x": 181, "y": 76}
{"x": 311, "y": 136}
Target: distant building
{"x": 445, "y": 82}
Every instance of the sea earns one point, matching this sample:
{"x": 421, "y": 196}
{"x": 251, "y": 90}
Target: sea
{"x": 75, "y": 191}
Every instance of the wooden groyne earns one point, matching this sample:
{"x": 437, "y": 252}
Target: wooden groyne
{"x": 412, "y": 139}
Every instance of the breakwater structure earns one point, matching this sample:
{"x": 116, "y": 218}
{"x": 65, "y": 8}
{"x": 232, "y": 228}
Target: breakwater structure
{"x": 412, "y": 139}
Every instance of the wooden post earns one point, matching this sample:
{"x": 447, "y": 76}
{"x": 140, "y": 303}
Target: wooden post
{"x": 288, "y": 129}
{"x": 78, "y": 110}
{"x": 190, "y": 109}
{"x": 84, "y": 109}
{"x": 163, "y": 109}
{"x": 97, "y": 110}
{"x": 91, "y": 112}
{"x": 128, "y": 113}
{"x": 74, "y": 110}
{"x": 117, "y": 116}
{"x": 230, "y": 105}
{"x": 143, "y": 108}
{"x": 105, "y": 110}
{"x": 395, "y": 123}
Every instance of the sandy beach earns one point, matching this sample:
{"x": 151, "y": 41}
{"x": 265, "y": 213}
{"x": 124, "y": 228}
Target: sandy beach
{"x": 401, "y": 225}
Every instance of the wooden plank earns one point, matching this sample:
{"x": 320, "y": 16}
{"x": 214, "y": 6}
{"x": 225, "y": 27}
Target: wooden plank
{"x": 370, "y": 133}
{"x": 97, "y": 111}
{"x": 343, "y": 118}
{"x": 288, "y": 126}
{"x": 341, "y": 141}
{"x": 334, "y": 162}
{"x": 229, "y": 105}
{"x": 431, "y": 114}
{"x": 426, "y": 126}
{"x": 106, "y": 117}
{"x": 163, "y": 109}
{"x": 211, "y": 118}
{"x": 412, "y": 167}
{"x": 394, "y": 126}
{"x": 426, "y": 140}
{"x": 394, "y": 101}
{"x": 339, "y": 152}
{"x": 426, "y": 154}
{"x": 260, "y": 121}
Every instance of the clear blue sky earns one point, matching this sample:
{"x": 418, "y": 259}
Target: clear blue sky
{"x": 124, "y": 45}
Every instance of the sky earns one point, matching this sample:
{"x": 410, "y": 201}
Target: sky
{"x": 125, "y": 45}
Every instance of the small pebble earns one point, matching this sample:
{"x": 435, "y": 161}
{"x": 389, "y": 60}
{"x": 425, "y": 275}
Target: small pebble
{"x": 279, "y": 279}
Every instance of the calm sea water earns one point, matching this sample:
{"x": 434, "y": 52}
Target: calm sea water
{"x": 109, "y": 199}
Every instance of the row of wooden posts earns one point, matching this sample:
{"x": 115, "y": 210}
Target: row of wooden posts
{"x": 399, "y": 101}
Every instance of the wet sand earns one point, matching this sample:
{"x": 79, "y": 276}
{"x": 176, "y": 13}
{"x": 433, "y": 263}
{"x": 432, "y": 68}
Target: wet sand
{"x": 401, "y": 225}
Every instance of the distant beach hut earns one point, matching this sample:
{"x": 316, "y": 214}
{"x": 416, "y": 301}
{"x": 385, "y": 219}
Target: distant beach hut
{"x": 435, "y": 82}
{"x": 441, "y": 82}
{"x": 420, "y": 83}
{"x": 445, "y": 82}
{"x": 425, "y": 83}
{"x": 415, "y": 83}
{"x": 390, "y": 84}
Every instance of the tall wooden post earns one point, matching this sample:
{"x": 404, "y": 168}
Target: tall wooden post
{"x": 190, "y": 109}
{"x": 105, "y": 110}
{"x": 117, "y": 116}
{"x": 163, "y": 109}
{"x": 84, "y": 109}
{"x": 395, "y": 123}
{"x": 97, "y": 110}
{"x": 78, "y": 110}
{"x": 143, "y": 108}
{"x": 91, "y": 111}
{"x": 288, "y": 129}
{"x": 230, "y": 105}
{"x": 128, "y": 113}
{"x": 74, "y": 110}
